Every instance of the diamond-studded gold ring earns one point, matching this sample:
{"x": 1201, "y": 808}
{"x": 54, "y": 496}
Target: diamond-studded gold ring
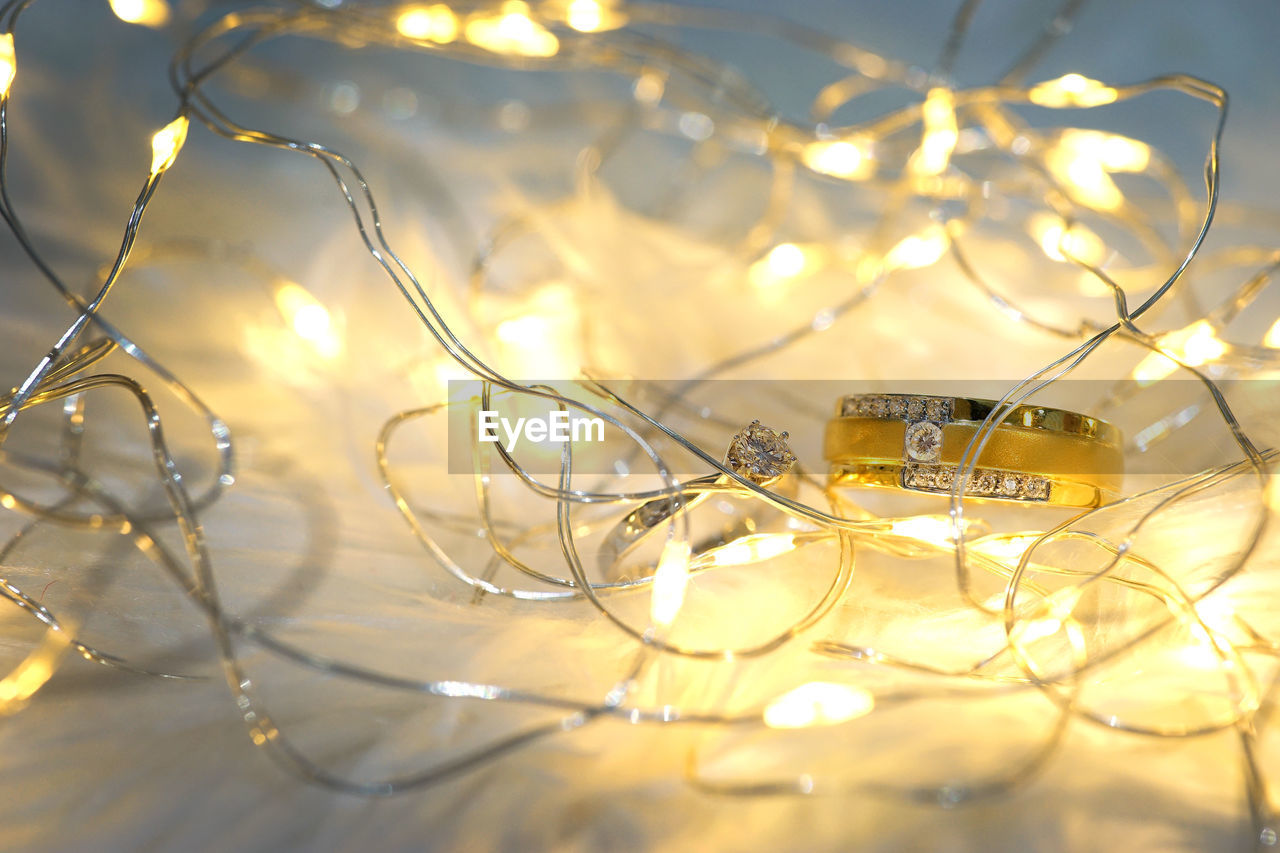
{"x": 915, "y": 442}
{"x": 757, "y": 453}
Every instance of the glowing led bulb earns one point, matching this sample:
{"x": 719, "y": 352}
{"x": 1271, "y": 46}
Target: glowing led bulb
{"x": 435, "y": 23}
{"x": 784, "y": 262}
{"x": 543, "y": 338}
{"x": 1083, "y": 160}
{"x": 670, "y": 581}
{"x": 918, "y": 250}
{"x": 1005, "y": 548}
{"x": 309, "y": 319}
{"x": 940, "y": 133}
{"x": 8, "y": 63}
{"x": 754, "y": 549}
{"x": 934, "y": 529}
{"x": 513, "y": 32}
{"x": 148, "y": 13}
{"x": 1272, "y": 337}
{"x": 818, "y": 703}
{"x": 32, "y": 673}
{"x": 1113, "y": 152}
{"x": 1195, "y": 345}
{"x": 1064, "y": 244}
{"x": 166, "y": 144}
{"x": 585, "y": 15}
{"x": 843, "y": 158}
{"x": 1202, "y": 345}
{"x": 1071, "y": 90}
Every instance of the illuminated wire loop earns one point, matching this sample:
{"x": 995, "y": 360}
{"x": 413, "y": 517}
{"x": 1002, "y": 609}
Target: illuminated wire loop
{"x": 918, "y": 443}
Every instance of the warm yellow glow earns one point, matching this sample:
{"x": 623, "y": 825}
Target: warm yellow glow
{"x": 940, "y": 133}
{"x": 918, "y": 250}
{"x": 8, "y": 63}
{"x": 529, "y": 329}
{"x": 1058, "y": 607}
{"x": 1207, "y": 652}
{"x": 435, "y": 23}
{"x": 545, "y": 338}
{"x": 1202, "y": 345}
{"x": 1086, "y": 180}
{"x": 670, "y": 581}
{"x": 148, "y": 13}
{"x": 8, "y": 501}
{"x": 512, "y": 32}
{"x": 30, "y": 675}
{"x": 1113, "y": 152}
{"x": 1083, "y": 160}
{"x": 1005, "y": 548}
{"x": 753, "y": 549}
{"x": 584, "y": 15}
{"x": 784, "y": 262}
{"x": 934, "y": 529}
{"x": 166, "y": 144}
{"x": 1272, "y": 337}
{"x": 1153, "y": 368}
{"x": 649, "y": 87}
{"x": 1071, "y": 90}
{"x": 1195, "y": 345}
{"x": 309, "y": 319}
{"x": 845, "y": 158}
{"x": 592, "y": 16}
{"x": 1074, "y": 244}
{"x": 818, "y": 703}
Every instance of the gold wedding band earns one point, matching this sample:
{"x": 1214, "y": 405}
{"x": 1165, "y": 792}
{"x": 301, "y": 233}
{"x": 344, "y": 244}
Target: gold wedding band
{"x": 915, "y": 442}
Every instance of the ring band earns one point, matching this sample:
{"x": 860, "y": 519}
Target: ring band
{"x": 757, "y": 454}
{"x": 915, "y": 442}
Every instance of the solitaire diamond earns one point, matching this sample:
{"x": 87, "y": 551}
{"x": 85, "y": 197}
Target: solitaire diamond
{"x": 924, "y": 442}
{"x": 759, "y": 454}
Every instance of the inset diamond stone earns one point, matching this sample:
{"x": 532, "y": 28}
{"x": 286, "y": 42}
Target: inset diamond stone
{"x": 937, "y": 408}
{"x": 924, "y": 441}
{"x": 759, "y": 454}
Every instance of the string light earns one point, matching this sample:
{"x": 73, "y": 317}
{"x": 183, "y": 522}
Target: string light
{"x": 1072, "y": 90}
{"x": 918, "y": 250}
{"x": 840, "y": 158}
{"x": 436, "y": 23}
{"x": 784, "y": 262}
{"x": 670, "y": 581}
{"x": 1194, "y": 345}
{"x": 308, "y": 318}
{"x": 166, "y": 143}
{"x": 753, "y": 549}
{"x": 8, "y": 64}
{"x": 513, "y": 31}
{"x": 593, "y": 16}
{"x": 1272, "y": 337}
{"x": 551, "y": 330}
{"x": 818, "y": 703}
{"x": 24, "y": 680}
{"x": 1067, "y": 244}
{"x": 147, "y": 13}
{"x": 940, "y": 133}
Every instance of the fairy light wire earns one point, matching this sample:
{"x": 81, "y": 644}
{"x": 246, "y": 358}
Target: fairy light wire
{"x": 56, "y": 378}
